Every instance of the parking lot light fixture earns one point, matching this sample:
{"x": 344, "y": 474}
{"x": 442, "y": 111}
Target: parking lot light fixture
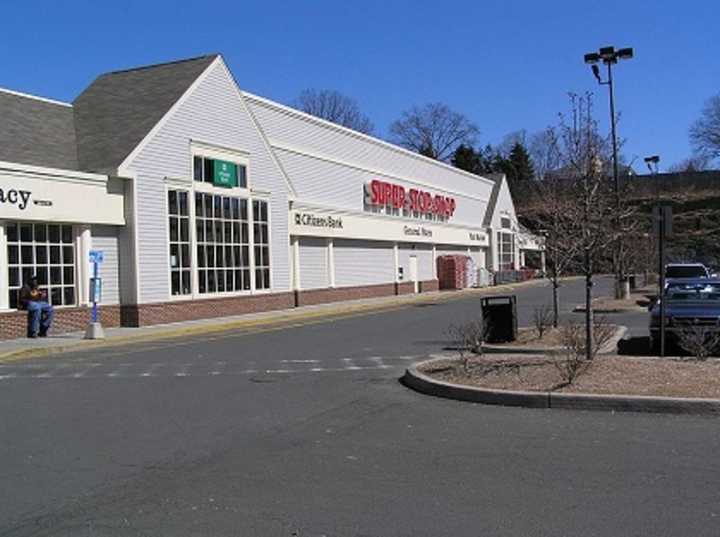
{"x": 609, "y": 56}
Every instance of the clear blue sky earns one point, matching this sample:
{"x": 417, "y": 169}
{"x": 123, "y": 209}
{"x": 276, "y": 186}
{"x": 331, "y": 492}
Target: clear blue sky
{"x": 507, "y": 65}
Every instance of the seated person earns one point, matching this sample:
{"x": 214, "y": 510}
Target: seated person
{"x": 40, "y": 312}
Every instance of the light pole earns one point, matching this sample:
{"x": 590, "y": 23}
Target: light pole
{"x": 609, "y": 56}
{"x": 660, "y": 223}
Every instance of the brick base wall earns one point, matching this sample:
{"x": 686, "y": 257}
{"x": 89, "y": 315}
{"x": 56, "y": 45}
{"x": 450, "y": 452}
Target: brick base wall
{"x": 405, "y": 288}
{"x": 338, "y": 294}
{"x": 429, "y": 285}
{"x": 191, "y": 310}
{"x": 13, "y": 324}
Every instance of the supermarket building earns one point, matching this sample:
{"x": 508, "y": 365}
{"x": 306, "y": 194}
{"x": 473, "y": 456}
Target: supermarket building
{"x": 207, "y": 201}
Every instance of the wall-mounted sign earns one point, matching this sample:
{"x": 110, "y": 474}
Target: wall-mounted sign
{"x": 32, "y": 196}
{"x": 382, "y": 193}
{"x": 313, "y": 220}
{"x": 319, "y": 222}
{"x": 13, "y": 196}
{"x": 225, "y": 173}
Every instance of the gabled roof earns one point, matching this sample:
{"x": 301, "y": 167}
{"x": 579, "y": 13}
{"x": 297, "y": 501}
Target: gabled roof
{"x": 37, "y": 131}
{"x": 115, "y": 113}
{"x": 492, "y": 203}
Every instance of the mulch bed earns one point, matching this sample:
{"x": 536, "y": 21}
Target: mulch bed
{"x": 529, "y": 337}
{"x": 606, "y": 375}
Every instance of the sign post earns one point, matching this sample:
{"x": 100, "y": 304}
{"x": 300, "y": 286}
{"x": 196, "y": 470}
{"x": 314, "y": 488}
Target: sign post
{"x": 662, "y": 224}
{"x": 94, "y": 329}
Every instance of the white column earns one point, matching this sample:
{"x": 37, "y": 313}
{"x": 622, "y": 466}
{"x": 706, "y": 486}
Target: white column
{"x": 396, "y": 253}
{"x": 83, "y": 244}
{"x": 331, "y": 262}
{"x": 434, "y": 261}
{"x": 296, "y": 263}
{"x": 4, "y": 271}
{"x": 542, "y": 260}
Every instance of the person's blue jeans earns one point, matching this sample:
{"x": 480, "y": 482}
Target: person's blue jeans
{"x": 41, "y": 315}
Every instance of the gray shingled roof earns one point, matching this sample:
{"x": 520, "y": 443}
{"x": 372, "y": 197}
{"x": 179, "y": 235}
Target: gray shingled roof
{"x": 37, "y": 132}
{"x": 118, "y": 109}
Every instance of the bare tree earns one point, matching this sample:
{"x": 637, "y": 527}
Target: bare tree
{"x": 700, "y": 341}
{"x": 336, "y": 107}
{"x": 544, "y": 151}
{"x": 592, "y": 208}
{"x": 468, "y": 339}
{"x": 542, "y": 319}
{"x": 433, "y": 130}
{"x": 705, "y": 132}
{"x": 576, "y": 356}
{"x": 695, "y": 163}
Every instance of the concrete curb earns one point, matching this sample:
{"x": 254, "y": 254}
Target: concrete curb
{"x": 572, "y": 401}
{"x": 280, "y": 320}
{"x": 609, "y": 347}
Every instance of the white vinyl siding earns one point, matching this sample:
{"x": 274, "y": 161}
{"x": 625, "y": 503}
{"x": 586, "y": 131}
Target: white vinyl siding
{"x": 360, "y": 263}
{"x": 213, "y": 114}
{"x": 478, "y": 255}
{"x": 338, "y": 185}
{"x": 423, "y": 252}
{"x": 314, "y": 263}
{"x": 105, "y": 238}
{"x": 296, "y": 131}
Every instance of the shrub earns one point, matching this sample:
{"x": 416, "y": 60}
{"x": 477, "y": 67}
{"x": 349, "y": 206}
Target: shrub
{"x": 542, "y": 319}
{"x": 699, "y": 341}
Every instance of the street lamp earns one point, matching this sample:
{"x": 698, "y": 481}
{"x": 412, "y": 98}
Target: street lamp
{"x": 609, "y": 56}
{"x": 652, "y": 163}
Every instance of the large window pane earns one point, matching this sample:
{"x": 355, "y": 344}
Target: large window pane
{"x": 222, "y": 239}
{"x": 40, "y": 250}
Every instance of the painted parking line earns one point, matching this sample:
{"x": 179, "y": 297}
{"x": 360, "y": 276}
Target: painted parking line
{"x": 201, "y": 368}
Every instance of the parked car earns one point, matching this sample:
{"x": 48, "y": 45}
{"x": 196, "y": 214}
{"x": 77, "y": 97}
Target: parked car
{"x": 688, "y": 302}
{"x": 675, "y": 271}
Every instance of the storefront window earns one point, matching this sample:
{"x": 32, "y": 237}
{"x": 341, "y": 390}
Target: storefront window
{"x": 506, "y": 244}
{"x": 46, "y": 251}
{"x": 179, "y": 223}
{"x": 262, "y": 244}
{"x": 223, "y": 243}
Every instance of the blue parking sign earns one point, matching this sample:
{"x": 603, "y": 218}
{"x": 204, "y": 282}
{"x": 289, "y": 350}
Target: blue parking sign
{"x": 96, "y": 256}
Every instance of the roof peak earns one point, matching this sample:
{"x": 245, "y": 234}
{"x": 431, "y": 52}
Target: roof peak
{"x": 162, "y": 64}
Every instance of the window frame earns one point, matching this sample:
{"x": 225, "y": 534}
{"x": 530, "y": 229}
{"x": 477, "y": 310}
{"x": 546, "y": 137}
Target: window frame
{"x": 168, "y": 242}
{"x": 192, "y": 188}
{"x": 5, "y": 284}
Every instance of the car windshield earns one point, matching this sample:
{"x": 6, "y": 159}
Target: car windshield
{"x": 685, "y": 271}
{"x": 693, "y": 292}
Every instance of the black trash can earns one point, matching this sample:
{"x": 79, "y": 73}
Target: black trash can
{"x": 499, "y": 318}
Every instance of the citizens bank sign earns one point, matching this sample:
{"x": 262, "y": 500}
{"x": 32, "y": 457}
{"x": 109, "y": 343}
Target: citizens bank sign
{"x": 312, "y": 222}
{"x": 384, "y": 194}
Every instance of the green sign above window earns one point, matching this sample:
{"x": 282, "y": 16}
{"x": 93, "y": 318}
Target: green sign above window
{"x": 225, "y": 173}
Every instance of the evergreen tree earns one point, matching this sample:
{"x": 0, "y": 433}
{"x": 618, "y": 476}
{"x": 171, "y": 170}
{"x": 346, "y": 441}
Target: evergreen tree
{"x": 519, "y": 169}
{"x": 466, "y": 158}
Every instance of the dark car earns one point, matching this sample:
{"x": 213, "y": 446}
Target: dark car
{"x": 686, "y": 270}
{"x": 688, "y": 303}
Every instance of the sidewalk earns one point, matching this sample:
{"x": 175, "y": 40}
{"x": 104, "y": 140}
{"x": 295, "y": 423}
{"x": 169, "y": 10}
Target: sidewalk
{"x": 28, "y": 348}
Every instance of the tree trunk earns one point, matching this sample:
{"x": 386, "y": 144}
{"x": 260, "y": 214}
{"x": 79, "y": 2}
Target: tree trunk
{"x": 556, "y": 302}
{"x": 588, "y": 307}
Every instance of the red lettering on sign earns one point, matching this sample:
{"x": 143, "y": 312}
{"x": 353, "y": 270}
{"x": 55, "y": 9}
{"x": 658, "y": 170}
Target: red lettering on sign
{"x": 419, "y": 201}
